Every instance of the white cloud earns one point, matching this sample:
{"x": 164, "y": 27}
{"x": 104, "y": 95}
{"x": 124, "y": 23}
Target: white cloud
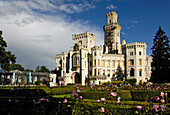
{"x": 123, "y": 33}
{"x": 111, "y": 7}
{"x": 72, "y": 8}
{"x": 36, "y": 38}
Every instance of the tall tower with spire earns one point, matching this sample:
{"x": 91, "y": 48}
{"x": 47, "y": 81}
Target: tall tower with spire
{"x": 112, "y": 34}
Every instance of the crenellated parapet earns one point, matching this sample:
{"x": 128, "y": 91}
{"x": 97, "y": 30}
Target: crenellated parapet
{"x": 83, "y": 35}
{"x": 96, "y": 48}
{"x": 136, "y": 44}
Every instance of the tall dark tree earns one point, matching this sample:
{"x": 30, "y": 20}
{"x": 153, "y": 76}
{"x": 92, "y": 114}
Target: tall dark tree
{"x": 160, "y": 58}
{"x": 16, "y": 67}
{"x": 5, "y": 56}
{"x": 119, "y": 74}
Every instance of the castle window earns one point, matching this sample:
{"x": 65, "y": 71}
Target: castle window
{"x": 108, "y": 63}
{"x": 131, "y": 62}
{"x": 108, "y": 73}
{"x": 140, "y": 72}
{"x": 103, "y": 63}
{"x": 77, "y": 60}
{"x": 103, "y": 72}
{"x": 98, "y": 62}
{"x": 131, "y": 53}
{"x": 90, "y": 63}
{"x": 85, "y": 63}
{"x": 90, "y": 72}
{"x": 123, "y": 64}
{"x": 113, "y": 71}
{"x": 80, "y": 42}
{"x": 94, "y": 72}
{"x": 94, "y": 62}
{"x": 98, "y": 72}
{"x": 113, "y": 63}
{"x": 118, "y": 63}
{"x": 140, "y": 61}
{"x": 140, "y": 53}
{"x": 94, "y": 53}
{"x": 110, "y": 21}
{"x": 132, "y": 72}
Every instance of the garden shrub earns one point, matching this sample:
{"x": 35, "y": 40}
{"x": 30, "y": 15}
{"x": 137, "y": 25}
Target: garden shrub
{"x": 148, "y": 96}
{"x": 131, "y": 81}
{"x": 70, "y": 84}
{"x": 124, "y": 94}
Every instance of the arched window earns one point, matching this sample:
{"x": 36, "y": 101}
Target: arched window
{"x": 132, "y": 72}
{"x": 98, "y": 62}
{"x": 140, "y": 72}
{"x": 85, "y": 63}
{"x": 75, "y": 60}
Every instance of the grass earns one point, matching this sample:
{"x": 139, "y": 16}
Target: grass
{"x": 62, "y": 96}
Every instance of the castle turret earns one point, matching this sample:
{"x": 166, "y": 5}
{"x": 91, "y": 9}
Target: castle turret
{"x": 112, "y": 33}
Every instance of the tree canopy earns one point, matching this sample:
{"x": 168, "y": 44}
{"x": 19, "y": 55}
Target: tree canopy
{"x": 16, "y": 67}
{"x": 5, "y": 56}
{"x": 160, "y": 58}
{"x": 42, "y": 69}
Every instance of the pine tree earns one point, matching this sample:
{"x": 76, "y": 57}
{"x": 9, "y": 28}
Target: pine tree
{"x": 160, "y": 58}
{"x": 119, "y": 74}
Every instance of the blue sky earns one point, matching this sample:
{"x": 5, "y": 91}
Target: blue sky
{"x": 37, "y": 30}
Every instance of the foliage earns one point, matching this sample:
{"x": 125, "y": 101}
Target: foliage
{"x": 16, "y": 67}
{"x": 125, "y": 95}
{"x": 145, "y": 95}
{"x": 119, "y": 74}
{"x": 42, "y": 69}
{"x": 160, "y": 58}
{"x": 5, "y": 56}
{"x": 131, "y": 81}
{"x": 38, "y": 82}
{"x": 29, "y": 70}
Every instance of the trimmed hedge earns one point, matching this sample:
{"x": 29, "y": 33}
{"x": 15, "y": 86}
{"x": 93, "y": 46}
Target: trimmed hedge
{"x": 145, "y": 95}
{"x": 112, "y": 107}
{"x": 124, "y": 94}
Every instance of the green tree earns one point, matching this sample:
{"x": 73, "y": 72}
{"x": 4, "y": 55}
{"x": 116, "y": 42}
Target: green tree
{"x": 119, "y": 74}
{"x": 160, "y": 58}
{"x": 5, "y": 56}
{"x": 29, "y": 70}
{"x": 42, "y": 69}
{"x": 16, "y": 67}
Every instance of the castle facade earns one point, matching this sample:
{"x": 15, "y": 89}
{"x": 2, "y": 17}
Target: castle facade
{"x": 87, "y": 63}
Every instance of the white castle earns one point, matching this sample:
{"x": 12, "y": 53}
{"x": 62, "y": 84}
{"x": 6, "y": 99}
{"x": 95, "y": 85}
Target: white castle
{"x": 87, "y": 63}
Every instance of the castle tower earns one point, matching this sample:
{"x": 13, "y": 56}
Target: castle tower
{"x": 112, "y": 33}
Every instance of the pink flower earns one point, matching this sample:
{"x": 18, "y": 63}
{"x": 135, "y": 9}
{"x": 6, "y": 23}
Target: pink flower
{"x": 73, "y": 93}
{"x": 157, "y": 98}
{"x": 65, "y": 101}
{"x": 139, "y": 107}
{"x": 163, "y": 107}
{"x": 156, "y": 107}
{"x": 102, "y": 109}
{"x": 162, "y": 101}
{"x": 81, "y": 97}
{"x": 78, "y": 91}
{"x": 103, "y": 99}
{"x": 113, "y": 94}
{"x": 98, "y": 101}
{"x": 80, "y": 88}
{"x": 77, "y": 87}
{"x": 162, "y": 94}
{"x": 118, "y": 100}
